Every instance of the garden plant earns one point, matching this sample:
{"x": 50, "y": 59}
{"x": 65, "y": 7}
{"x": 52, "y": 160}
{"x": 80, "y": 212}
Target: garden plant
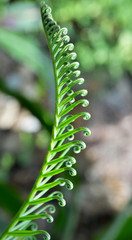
{"x": 102, "y": 34}
{"x": 39, "y": 204}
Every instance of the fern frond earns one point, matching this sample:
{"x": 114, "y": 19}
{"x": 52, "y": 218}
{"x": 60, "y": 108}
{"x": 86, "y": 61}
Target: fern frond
{"x": 57, "y": 161}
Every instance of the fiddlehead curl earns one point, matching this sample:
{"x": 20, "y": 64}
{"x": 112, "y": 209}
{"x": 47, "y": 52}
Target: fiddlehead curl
{"x": 45, "y": 191}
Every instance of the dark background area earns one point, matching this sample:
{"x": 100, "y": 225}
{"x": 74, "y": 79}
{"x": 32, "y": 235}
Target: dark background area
{"x": 102, "y": 33}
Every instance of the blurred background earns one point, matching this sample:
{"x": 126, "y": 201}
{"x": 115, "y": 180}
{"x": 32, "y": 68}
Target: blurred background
{"x": 101, "y": 30}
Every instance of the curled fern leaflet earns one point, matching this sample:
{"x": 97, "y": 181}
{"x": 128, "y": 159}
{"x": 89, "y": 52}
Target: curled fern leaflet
{"x": 39, "y": 204}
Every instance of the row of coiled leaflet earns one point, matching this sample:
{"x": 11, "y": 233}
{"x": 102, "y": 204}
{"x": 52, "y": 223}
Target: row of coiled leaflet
{"x": 57, "y": 161}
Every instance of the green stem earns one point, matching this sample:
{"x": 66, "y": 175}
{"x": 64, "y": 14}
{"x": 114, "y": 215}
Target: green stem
{"x": 44, "y": 167}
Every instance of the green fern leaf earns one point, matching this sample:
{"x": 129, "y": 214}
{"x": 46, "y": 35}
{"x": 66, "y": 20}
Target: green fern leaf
{"x": 66, "y": 73}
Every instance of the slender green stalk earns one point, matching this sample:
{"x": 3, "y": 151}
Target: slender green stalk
{"x": 57, "y": 161}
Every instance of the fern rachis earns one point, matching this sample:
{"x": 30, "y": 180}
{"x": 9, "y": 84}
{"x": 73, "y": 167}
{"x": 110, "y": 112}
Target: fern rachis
{"x": 66, "y": 73}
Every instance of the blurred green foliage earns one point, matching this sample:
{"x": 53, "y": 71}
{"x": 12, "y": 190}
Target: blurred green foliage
{"x": 9, "y": 198}
{"x": 101, "y": 30}
{"x": 6, "y": 163}
{"x": 26, "y": 50}
{"x": 121, "y": 229}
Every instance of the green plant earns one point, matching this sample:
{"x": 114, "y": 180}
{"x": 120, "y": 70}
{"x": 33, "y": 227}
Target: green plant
{"x": 37, "y": 205}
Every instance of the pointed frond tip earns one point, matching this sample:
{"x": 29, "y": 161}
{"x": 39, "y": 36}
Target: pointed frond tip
{"x": 39, "y": 204}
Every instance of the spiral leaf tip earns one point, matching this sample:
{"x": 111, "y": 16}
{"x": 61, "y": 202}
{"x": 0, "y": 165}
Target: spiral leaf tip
{"x": 67, "y": 75}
